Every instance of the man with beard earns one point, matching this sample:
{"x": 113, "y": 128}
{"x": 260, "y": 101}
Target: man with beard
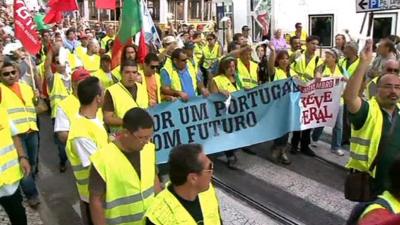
{"x": 375, "y": 140}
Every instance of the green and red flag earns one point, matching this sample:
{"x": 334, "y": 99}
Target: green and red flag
{"x": 131, "y": 24}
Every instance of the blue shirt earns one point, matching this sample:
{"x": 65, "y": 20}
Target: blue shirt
{"x": 185, "y": 78}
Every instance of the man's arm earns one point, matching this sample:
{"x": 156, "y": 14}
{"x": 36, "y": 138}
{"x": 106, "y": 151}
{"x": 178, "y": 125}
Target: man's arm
{"x": 96, "y": 197}
{"x": 166, "y": 87}
{"x": 110, "y": 118}
{"x": 351, "y": 93}
{"x": 23, "y": 160}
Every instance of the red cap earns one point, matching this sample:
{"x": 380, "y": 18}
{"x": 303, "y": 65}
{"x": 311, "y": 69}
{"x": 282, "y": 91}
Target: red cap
{"x": 80, "y": 74}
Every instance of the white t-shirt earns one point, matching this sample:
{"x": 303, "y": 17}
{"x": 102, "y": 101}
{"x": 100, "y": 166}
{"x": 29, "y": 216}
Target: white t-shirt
{"x": 61, "y": 122}
{"x": 85, "y": 147}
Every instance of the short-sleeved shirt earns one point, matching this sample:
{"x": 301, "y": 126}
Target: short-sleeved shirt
{"x": 61, "y": 122}
{"x": 186, "y": 81}
{"x": 390, "y": 144}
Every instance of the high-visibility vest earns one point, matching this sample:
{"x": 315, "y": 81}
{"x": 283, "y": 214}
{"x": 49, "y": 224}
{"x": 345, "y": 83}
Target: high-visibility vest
{"x": 328, "y": 73}
{"x": 210, "y": 55}
{"x": 224, "y": 84}
{"x": 58, "y": 93}
{"x": 70, "y": 106}
{"x": 158, "y": 82}
{"x": 127, "y": 196}
{"x": 104, "y": 41}
{"x": 391, "y": 200}
{"x": 104, "y": 78}
{"x": 306, "y": 71}
{"x": 176, "y": 80}
{"x": 364, "y": 142}
{"x": 373, "y": 82}
{"x": 197, "y": 52}
{"x": 280, "y": 74}
{"x": 351, "y": 69}
{"x": 22, "y": 113}
{"x": 82, "y": 127}
{"x": 167, "y": 210}
{"x": 303, "y": 35}
{"x": 91, "y": 63}
{"x": 10, "y": 171}
{"x": 117, "y": 72}
{"x": 73, "y": 61}
{"x": 247, "y": 79}
{"x": 123, "y": 100}
{"x": 80, "y": 51}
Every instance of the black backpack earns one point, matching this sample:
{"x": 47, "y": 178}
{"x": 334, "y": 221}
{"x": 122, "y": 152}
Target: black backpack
{"x": 360, "y": 208}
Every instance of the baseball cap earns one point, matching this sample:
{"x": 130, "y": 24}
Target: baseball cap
{"x": 169, "y": 40}
{"x": 80, "y": 74}
{"x": 245, "y": 28}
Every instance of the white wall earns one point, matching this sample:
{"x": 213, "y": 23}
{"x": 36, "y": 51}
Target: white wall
{"x": 286, "y": 13}
{"x": 241, "y": 13}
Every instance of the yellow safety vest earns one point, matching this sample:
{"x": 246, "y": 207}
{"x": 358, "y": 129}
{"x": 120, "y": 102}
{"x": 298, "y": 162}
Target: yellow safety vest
{"x": 73, "y": 60}
{"x": 22, "y": 113}
{"x": 83, "y": 128}
{"x": 104, "y": 79}
{"x": 117, "y": 72}
{"x": 10, "y": 171}
{"x": 174, "y": 75}
{"x": 104, "y": 41}
{"x": 158, "y": 82}
{"x": 303, "y": 35}
{"x": 280, "y": 74}
{"x": 123, "y": 101}
{"x": 58, "y": 93}
{"x": 365, "y": 141}
{"x": 306, "y": 71}
{"x": 350, "y": 69}
{"x": 247, "y": 79}
{"x": 127, "y": 196}
{"x": 70, "y": 106}
{"x": 197, "y": 52}
{"x": 224, "y": 84}
{"x": 210, "y": 55}
{"x": 328, "y": 73}
{"x": 167, "y": 210}
{"x": 91, "y": 63}
{"x": 389, "y": 198}
{"x": 80, "y": 51}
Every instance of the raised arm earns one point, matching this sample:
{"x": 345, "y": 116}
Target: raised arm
{"x": 351, "y": 93}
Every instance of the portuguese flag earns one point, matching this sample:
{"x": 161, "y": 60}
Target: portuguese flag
{"x": 131, "y": 23}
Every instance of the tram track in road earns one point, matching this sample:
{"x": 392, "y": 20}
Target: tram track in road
{"x": 267, "y": 210}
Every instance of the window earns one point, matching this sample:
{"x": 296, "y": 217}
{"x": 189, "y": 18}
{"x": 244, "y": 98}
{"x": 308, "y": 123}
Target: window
{"x": 194, "y": 9}
{"x": 154, "y": 8}
{"x": 176, "y": 8}
{"x": 384, "y": 24}
{"x": 322, "y": 26}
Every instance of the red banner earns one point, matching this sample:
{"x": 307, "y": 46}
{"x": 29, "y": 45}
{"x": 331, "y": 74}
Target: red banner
{"x": 106, "y": 4}
{"x": 25, "y": 28}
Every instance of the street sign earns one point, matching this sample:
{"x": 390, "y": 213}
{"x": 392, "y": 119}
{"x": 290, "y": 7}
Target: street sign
{"x": 376, "y": 5}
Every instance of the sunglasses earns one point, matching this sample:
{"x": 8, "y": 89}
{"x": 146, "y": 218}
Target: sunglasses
{"x": 154, "y": 67}
{"x": 392, "y": 70}
{"x": 6, "y": 74}
{"x": 210, "y": 167}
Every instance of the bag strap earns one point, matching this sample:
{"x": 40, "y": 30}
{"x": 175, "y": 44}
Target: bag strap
{"x": 382, "y": 143}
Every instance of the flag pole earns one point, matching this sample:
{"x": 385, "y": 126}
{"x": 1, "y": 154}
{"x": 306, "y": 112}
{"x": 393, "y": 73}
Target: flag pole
{"x": 32, "y": 74}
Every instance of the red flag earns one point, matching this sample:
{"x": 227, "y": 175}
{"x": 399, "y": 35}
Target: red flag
{"x": 25, "y": 28}
{"x": 57, "y": 7}
{"x": 142, "y": 51}
{"x": 106, "y": 4}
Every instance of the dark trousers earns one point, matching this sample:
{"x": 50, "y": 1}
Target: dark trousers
{"x": 346, "y": 126}
{"x": 302, "y": 137}
{"x": 13, "y": 206}
{"x": 282, "y": 141}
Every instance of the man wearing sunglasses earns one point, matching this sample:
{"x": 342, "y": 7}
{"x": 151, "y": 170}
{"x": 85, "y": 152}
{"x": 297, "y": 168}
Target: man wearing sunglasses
{"x": 391, "y": 66}
{"x": 180, "y": 80}
{"x": 190, "y": 197}
{"x": 19, "y": 99}
{"x": 123, "y": 180}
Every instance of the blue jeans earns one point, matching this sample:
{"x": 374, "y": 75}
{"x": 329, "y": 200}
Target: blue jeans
{"x": 30, "y": 143}
{"x": 337, "y": 131}
{"x": 316, "y": 134}
{"x": 62, "y": 155}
